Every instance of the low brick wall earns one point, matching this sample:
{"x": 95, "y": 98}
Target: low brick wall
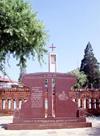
{"x": 88, "y": 99}
{"x": 7, "y": 98}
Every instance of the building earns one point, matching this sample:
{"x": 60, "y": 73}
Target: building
{"x": 7, "y": 83}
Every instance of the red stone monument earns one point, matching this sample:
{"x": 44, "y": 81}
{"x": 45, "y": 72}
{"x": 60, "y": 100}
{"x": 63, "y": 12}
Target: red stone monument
{"x": 32, "y": 113}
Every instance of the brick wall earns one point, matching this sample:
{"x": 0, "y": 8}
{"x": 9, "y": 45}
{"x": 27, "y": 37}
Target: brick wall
{"x": 88, "y": 99}
{"x": 11, "y": 99}
{"x": 7, "y": 98}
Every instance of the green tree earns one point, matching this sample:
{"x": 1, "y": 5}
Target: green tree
{"x": 89, "y": 64}
{"x": 22, "y": 72}
{"x": 96, "y": 83}
{"x": 21, "y": 33}
{"x": 81, "y": 79}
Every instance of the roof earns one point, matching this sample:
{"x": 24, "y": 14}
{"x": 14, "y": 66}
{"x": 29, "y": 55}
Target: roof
{"x": 7, "y": 80}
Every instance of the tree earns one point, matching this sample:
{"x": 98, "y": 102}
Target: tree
{"x": 22, "y": 72}
{"x": 81, "y": 79}
{"x": 96, "y": 83}
{"x": 21, "y": 33}
{"x": 89, "y": 64}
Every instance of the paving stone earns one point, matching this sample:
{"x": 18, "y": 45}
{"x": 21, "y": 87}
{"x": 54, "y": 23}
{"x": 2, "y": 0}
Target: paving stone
{"x": 23, "y": 133}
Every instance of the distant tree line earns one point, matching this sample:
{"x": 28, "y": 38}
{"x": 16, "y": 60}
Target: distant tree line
{"x": 89, "y": 74}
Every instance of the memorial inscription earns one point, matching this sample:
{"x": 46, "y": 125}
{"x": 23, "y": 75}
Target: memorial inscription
{"x": 32, "y": 113}
{"x": 37, "y": 97}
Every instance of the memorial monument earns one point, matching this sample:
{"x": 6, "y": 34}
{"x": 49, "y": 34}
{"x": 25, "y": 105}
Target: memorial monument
{"x": 32, "y": 113}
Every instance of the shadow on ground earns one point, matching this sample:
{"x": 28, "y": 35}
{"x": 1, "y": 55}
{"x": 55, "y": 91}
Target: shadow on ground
{"x": 95, "y": 131}
{"x": 4, "y": 126}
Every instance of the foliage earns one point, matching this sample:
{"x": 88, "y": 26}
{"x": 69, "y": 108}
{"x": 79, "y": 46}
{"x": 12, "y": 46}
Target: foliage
{"x": 81, "y": 80}
{"x": 96, "y": 83}
{"x": 21, "y": 33}
{"x": 46, "y": 81}
{"x": 89, "y": 64}
{"x": 22, "y": 72}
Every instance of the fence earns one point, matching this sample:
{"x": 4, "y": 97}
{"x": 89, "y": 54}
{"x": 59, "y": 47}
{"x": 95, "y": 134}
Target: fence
{"x": 11, "y": 99}
{"x": 88, "y": 99}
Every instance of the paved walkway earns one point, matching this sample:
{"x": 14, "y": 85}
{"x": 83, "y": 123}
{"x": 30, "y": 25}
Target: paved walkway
{"x": 94, "y": 131}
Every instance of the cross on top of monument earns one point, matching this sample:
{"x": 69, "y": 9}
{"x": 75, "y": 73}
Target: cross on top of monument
{"x": 52, "y": 47}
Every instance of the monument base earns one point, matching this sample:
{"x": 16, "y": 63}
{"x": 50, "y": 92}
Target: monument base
{"x": 36, "y": 126}
{"x": 48, "y": 123}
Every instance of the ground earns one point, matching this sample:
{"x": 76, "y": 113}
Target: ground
{"x": 94, "y": 131}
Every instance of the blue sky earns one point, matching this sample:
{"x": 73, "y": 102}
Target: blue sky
{"x": 71, "y": 25}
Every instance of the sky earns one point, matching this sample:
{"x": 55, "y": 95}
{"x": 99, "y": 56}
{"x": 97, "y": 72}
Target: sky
{"x": 71, "y": 24}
